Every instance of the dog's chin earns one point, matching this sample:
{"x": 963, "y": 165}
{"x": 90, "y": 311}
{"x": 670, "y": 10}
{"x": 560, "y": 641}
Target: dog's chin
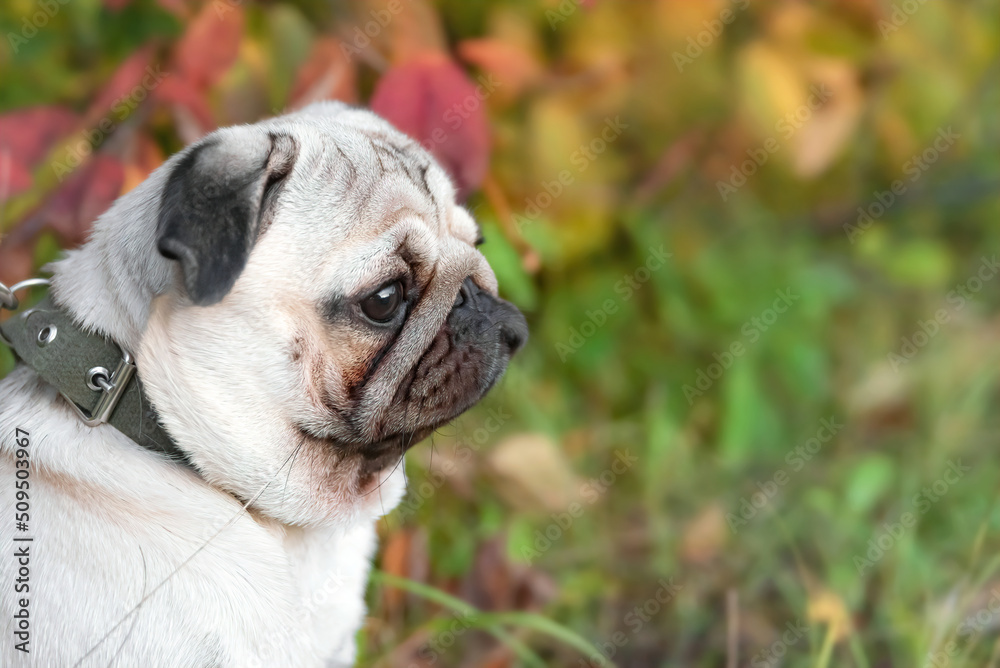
{"x": 377, "y": 457}
{"x": 369, "y": 463}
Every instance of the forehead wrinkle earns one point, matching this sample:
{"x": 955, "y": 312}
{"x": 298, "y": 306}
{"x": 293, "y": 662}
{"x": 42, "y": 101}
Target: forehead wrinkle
{"x": 380, "y": 257}
{"x": 407, "y": 240}
{"x": 415, "y": 161}
{"x": 399, "y": 221}
{"x": 411, "y": 162}
{"x": 369, "y": 165}
{"x": 346, "y": 168}
{"x": 381, "y": 206}
{"x": 331, "y": 177}
{"x": 413, "y": 238}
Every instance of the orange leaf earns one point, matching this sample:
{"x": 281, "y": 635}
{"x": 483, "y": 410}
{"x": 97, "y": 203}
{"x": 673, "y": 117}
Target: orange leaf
{"x": 415, "y": 30}
{"x": 432, "y": 100}
{"x": 511, "y": 63}
{"x": 142, "y": 156}
{"x": 395, "y": 561}
{"x": 328, "y": 74}
{"x": 211, "y": 44}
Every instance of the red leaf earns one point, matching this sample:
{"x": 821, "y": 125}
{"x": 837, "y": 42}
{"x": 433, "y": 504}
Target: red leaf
{"x": 26, "y": 136}
{"x": 14, "y": 176}
{"x": 85, "y": 195}
{"x": 328, "y": 74}
{"x": 495, "y": 583}
{"x": 194, "y": 118}
{"x": 211, "y": 43}
{"x": 121, "y": 84}
{"x": 175, "y": 7}
{"x": 432, "y": 100}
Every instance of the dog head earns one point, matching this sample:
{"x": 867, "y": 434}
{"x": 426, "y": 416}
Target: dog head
{"x": 329, "y": 309}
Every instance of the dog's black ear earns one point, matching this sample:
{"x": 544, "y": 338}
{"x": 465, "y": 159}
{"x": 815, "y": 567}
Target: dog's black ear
{"x": 217, "y": 201}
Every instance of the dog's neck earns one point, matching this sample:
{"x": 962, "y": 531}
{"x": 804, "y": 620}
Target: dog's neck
{"x": 109, "y": 283}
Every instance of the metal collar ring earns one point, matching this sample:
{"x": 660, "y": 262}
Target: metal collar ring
{"x": 8, "y": 298}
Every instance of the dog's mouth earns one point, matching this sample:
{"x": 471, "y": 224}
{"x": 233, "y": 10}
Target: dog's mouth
{"x": 378, "y": 456}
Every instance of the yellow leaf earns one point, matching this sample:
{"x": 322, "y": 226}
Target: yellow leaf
{"x": 827, "y": 607}
{"x": 772, "y": 86}
{"x": 828, "y": 128}
{"x": 532, "y": 473}
{"x": 705, "y": 535}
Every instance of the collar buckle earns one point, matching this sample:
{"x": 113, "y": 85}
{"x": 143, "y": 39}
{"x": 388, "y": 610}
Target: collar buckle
{"x": 111, "y": 385}
{"x": 111, "y": 389}
{"x": 75, "y": 362}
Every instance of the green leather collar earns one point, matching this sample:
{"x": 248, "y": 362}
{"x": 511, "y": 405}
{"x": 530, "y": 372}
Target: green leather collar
{"x": 91, "y": 372}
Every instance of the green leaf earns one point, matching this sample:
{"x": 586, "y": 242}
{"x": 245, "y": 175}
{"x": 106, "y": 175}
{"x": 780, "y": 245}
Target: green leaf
{"x": 868, "y": 482}
{"x": 919, "y": 263}
{"x": 494, "y": 622}
{"x": 515, "y": 284}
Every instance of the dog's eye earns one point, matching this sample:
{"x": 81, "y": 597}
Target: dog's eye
{"x": 382, "y": 305}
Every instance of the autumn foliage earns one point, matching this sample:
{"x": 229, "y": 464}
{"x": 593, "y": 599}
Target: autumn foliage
{"x": 732, "y": 223}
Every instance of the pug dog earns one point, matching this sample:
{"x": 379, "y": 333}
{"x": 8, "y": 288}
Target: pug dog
{"x": 304, "y": 301}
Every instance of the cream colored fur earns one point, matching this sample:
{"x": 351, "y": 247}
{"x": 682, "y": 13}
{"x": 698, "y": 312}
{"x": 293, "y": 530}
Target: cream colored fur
{"x": 140, "y": 561}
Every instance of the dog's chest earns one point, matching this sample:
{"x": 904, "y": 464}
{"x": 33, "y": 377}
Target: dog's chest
{"x": 139, "y": 563}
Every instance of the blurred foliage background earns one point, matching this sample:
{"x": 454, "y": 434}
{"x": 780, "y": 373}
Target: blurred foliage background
{"x": 756, "y": 242}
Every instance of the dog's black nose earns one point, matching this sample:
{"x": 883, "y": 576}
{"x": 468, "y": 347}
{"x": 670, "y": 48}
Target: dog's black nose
{"x": 513, "y": 328}
{"x": 494, "y": 313}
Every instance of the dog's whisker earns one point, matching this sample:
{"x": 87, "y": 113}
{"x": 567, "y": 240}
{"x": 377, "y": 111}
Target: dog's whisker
{"x": 295, "y": 455}
{"x": 362, "y": 328}
{"x": 385, "y": 516}
{"x": 184, "y": 563}
{"x": 135, "y": 620}
{"x": 402, "y": 456}
{"x": 396, "y": 466}
{"x": 403, "y": 449}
